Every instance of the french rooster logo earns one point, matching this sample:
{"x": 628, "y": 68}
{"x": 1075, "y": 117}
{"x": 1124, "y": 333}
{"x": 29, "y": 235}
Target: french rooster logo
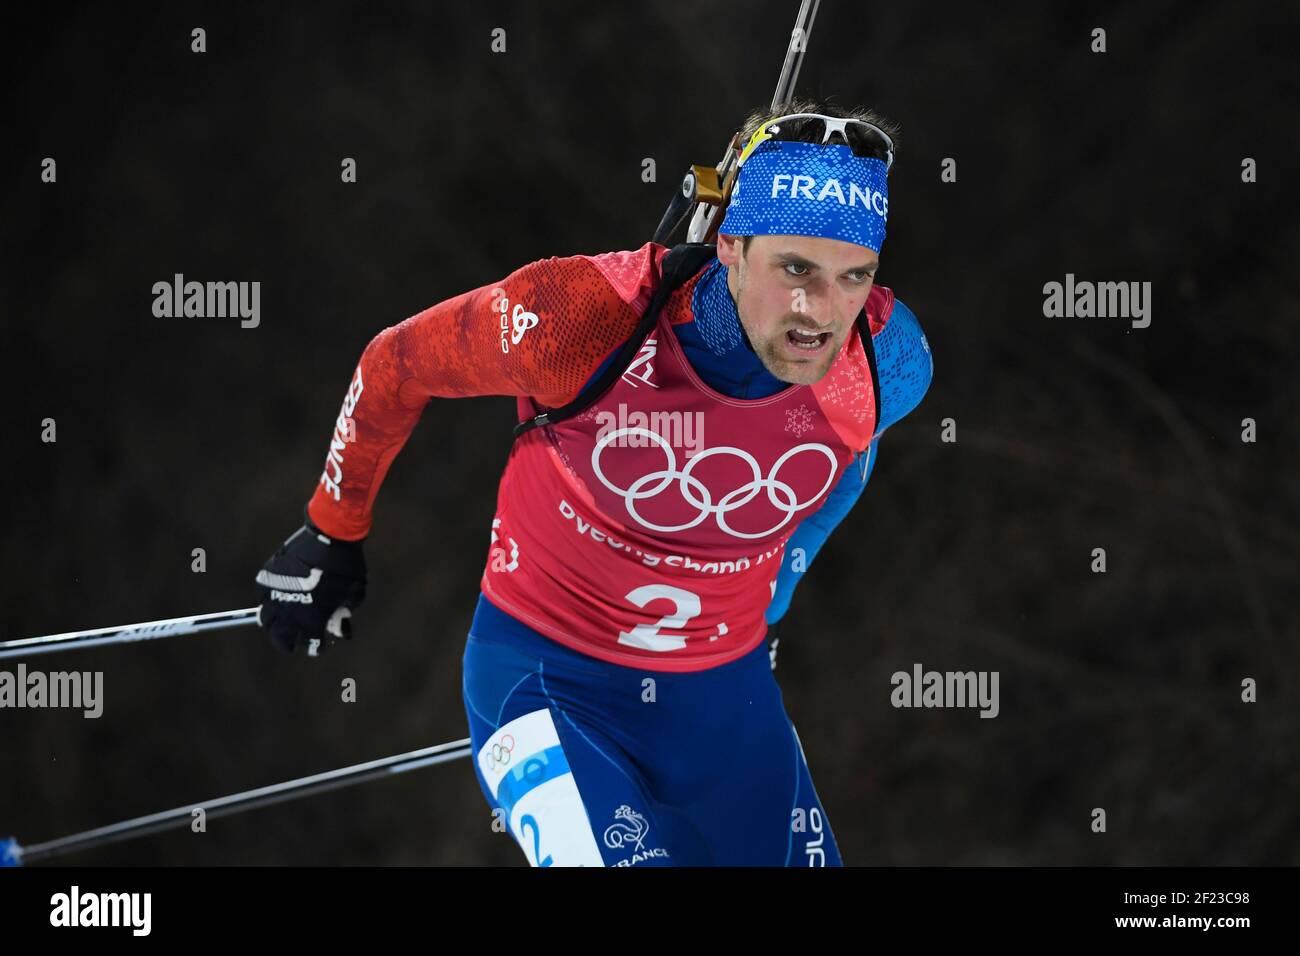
{"x": 631, "y": 828}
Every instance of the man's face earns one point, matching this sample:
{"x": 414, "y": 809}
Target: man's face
{"x": 788, "y": 284}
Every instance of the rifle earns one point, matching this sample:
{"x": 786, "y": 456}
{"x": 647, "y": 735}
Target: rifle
{"x": 705, "y": 190}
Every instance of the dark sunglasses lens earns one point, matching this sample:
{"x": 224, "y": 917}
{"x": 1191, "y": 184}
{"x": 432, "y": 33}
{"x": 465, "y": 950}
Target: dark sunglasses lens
{"x": 865, "y": 141}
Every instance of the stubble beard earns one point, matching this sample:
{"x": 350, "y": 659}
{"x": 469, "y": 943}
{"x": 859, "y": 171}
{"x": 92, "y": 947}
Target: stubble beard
{"x": 769, "y": 351}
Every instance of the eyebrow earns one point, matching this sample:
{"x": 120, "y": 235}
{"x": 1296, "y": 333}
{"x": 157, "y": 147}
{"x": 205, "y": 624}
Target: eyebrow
{"x": 809, "y": 264}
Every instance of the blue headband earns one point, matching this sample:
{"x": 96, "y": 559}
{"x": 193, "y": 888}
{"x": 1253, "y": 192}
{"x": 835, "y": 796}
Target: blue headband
{"x": 803, "y": 189}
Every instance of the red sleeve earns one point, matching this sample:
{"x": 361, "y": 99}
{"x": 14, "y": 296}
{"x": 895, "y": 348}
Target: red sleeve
{"x": 540, "y": 332}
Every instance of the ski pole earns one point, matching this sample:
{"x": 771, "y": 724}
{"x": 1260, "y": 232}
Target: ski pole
{"x": 122, "y": 634}
{"x": 14, "y": 854}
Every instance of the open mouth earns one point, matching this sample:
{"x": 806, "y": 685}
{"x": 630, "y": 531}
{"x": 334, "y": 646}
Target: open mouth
{"x": 807, "y": 341}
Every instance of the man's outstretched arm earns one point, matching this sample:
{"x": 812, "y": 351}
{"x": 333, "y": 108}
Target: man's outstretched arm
{"x": 540, "y": 332}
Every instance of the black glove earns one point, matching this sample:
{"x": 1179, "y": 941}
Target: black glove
{"x": 308, "y": 588}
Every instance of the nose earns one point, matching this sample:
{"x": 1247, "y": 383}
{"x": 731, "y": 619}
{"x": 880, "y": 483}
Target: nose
{"x": 825, "y": 302}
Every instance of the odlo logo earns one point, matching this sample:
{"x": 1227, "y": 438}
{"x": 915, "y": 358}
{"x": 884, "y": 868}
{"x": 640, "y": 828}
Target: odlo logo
{"x": 514, "y": 323}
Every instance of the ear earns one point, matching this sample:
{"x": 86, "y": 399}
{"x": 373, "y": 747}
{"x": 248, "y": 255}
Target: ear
{"x": 729, "y": 248}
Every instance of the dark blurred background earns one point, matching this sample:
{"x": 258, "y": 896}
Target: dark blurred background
{"x": 1119, "y": 691}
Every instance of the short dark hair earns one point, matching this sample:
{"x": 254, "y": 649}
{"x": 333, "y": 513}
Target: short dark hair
{"x": 826, "y": 106}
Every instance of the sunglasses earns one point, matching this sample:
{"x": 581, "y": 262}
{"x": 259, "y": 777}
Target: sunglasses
{"x": 864, "y": 139}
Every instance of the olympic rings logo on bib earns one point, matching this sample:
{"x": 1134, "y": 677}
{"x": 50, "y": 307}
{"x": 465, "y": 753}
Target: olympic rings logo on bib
{"x": 695, "y": 493}
{"x": 499, "y": 755}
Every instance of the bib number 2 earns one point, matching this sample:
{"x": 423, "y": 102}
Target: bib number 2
{"x": 650, "y": 637}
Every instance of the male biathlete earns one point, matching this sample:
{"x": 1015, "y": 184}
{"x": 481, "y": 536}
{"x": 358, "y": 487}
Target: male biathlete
{"x": 670, "y": 480}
